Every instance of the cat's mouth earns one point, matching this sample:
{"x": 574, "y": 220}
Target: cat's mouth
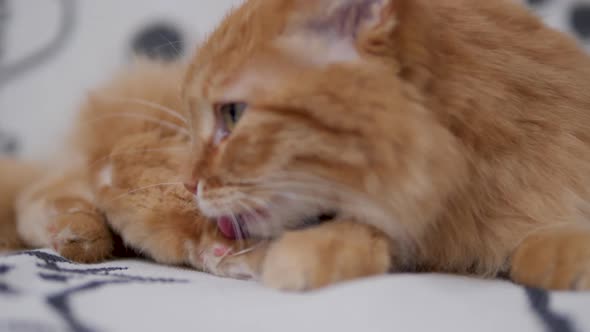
{"x": 235, "y": 227}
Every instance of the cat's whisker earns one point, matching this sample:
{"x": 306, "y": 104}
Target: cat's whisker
{"x": 259, "y": 203}
{"x": 234, "y": 221}
{"x": 250, "y": 211}
{"x": 248, "y": 250}
{"x": 311, "y": 199}
{"x": 225, "y": 255}
{"x": 293, "y": 175}
{"x": 238, "y": 228}
{"x": 155, "y": 120}
{"x": 168, "y": 148}
{"x": 202, "y": 266}
{"x": 326, "y": 202}
{"x": 362, "y": 206}
{"x": 311, "y": 184}
{"x": 301, "y": 192}
{"x": 298, "y": 179}
{"x": 170, "y": 43}
{"x": 246, "y": 207}
{"x": 173, "y": 113}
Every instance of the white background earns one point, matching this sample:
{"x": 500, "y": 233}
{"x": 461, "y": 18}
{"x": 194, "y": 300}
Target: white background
{"x": 39, "y": 104}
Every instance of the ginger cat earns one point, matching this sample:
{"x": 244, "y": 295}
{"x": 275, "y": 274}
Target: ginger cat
{"x": 13, "y": 176}
{"x": 121, "y": 176}
{"x": 447, "y": 136}
{"x": 458, "y": 128}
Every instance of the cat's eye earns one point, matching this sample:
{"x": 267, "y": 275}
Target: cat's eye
{"x": 230, "y": 114}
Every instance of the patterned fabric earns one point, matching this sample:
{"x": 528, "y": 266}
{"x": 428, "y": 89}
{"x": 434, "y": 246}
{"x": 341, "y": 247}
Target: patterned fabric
{"x": 40, "y": 291}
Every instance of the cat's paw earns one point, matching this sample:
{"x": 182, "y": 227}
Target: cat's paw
{"x": 318, "y": 257}
{"x": 290, "y": 267}
{"x": 225, "y": 260}
{"x": 80, "y": 233}
{"x": 555, "y": 259}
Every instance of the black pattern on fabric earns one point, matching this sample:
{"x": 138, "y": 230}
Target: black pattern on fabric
{"x": 50, "y": 263}
{"x": 88, "y": 279}
{"x": 54, "y": 277}
{"x": 540, "y": 301}
{"x": 5, "y": 268}
{"x": 5, "y": 289}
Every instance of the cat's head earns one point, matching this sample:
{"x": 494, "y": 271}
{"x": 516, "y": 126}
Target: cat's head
{"x": 299, "y": 112}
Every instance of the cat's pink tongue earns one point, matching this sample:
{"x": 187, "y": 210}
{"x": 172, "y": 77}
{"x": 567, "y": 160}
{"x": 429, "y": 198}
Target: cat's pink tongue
{"x": 226, "y": 227}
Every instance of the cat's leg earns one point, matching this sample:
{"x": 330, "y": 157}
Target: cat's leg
{"x": 58, "y": 212}
{"x": 79, "y": 230}
{"x": 14, "y": 177}
{"x": 327, "y": 254}
{"x": 556, "y": 258}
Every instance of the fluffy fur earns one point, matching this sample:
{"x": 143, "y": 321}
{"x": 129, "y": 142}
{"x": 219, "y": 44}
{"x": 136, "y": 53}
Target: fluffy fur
{"x": 13, "y": 177}
{"x": 444, "y": 135}
{"x": 122, "y": 176}
{"x": 459, "y": 128}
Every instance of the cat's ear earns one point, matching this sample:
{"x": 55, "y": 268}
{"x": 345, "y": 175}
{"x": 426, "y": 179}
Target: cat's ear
{"x": 348, "y": 19}
{"x": 329, "y": 31}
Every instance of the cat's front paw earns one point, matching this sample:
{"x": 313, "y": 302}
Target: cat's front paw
{"x": 318, "y": 257}
{"x": 79, "y": 233}
{"x": 556, "y": 258}
{"x": 290, "y": 267}
{"x": 226, "y": 260}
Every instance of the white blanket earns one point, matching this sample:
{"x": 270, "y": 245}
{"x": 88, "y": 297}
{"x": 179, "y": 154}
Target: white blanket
{"x": 40, "y": 291}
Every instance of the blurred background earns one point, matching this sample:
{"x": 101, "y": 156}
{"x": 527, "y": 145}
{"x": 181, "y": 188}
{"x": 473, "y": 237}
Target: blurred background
{"x": 53, "y": 51}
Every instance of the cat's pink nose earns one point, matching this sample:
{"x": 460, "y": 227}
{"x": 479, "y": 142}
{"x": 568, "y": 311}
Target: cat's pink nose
{"x": 191, "y": 186}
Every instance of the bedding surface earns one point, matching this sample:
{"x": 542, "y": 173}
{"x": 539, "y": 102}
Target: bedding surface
{"x": 41, "y": 291}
